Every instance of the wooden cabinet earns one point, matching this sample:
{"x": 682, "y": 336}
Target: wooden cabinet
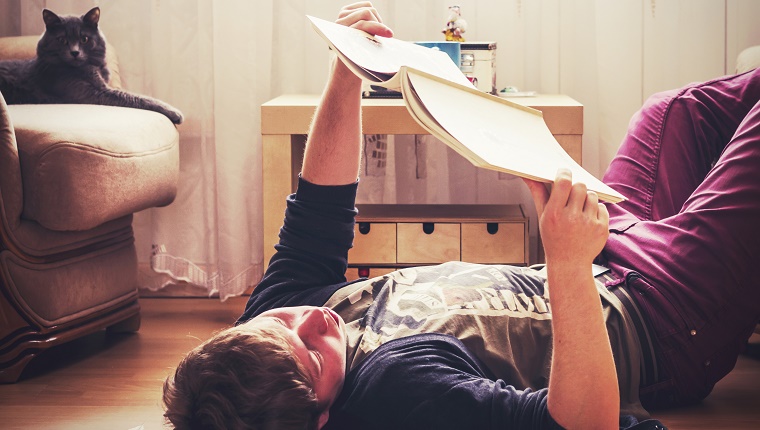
{"x": 285, "y": 121}
{"x": 388, "y": 237}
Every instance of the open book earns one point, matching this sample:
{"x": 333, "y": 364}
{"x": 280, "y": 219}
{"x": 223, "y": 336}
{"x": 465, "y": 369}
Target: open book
{"x": 490, "y": 132}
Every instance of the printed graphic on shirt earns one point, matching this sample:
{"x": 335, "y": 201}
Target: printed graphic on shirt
{"x": 501, "y": 313}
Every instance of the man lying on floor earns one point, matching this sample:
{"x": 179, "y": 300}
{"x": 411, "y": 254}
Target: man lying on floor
{"x": 460, "y": 345}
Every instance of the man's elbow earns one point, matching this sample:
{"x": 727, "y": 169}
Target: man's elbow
{"x": 596, "y": 413}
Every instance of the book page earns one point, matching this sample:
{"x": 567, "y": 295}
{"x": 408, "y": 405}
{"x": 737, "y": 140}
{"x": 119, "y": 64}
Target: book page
{"x": 488, "y": 131}
{"x": 380, "y": 58}
{"x": 493, "y": 133}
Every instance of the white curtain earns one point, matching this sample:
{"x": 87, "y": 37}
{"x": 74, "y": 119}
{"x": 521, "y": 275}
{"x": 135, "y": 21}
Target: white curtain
{"x": 218, "y": 61}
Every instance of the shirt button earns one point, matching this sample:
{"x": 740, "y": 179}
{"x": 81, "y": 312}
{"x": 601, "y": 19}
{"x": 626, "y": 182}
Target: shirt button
{"x": 707, "y": 363}
{"x": 693, "y": 332}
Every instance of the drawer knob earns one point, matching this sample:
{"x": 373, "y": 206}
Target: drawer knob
{"x": 492, "y": 227}
{"x": 364, "y": 227}
{"x": 428, "y": 227}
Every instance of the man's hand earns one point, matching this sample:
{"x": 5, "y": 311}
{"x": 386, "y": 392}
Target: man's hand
{"x": 362, "y": 16}
{"x": 365, "y": 17}
{"x": 573, "y": 224}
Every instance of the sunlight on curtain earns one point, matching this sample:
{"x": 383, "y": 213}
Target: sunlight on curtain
{"x": 205, "y": 58}
{"x": 218, "y": 61}
{"x": 197, "y": 55}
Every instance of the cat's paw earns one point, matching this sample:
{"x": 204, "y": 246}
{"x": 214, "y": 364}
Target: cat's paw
{"x": 174, "y": 115}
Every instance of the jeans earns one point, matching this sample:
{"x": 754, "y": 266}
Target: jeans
{"x": 690, "y": 167}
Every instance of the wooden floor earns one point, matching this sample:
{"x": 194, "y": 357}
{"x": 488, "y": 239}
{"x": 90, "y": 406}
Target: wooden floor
{"x": 114, "y": 381}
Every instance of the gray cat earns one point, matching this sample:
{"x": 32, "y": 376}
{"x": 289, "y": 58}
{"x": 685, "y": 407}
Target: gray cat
{"x": 70, "y": 67}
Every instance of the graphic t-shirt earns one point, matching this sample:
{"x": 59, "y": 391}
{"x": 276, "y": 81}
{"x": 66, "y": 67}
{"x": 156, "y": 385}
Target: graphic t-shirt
{"x": 501, "y": 313}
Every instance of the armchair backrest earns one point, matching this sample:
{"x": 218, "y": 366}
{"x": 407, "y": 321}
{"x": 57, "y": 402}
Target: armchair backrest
{"x": 11, "y": 192}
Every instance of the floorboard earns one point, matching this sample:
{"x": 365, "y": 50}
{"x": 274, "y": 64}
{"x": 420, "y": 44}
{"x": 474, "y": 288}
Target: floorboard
{"x": 114, "y": 380}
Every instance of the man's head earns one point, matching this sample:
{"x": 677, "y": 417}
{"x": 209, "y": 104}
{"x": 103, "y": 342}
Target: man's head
{"x": 282, "y": 369}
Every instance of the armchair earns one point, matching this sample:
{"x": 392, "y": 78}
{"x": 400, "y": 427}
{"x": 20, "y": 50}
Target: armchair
{"x": 71, "y": 176}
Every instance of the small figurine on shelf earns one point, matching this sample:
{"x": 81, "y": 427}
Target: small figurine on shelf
{"x": 455, "y": 26}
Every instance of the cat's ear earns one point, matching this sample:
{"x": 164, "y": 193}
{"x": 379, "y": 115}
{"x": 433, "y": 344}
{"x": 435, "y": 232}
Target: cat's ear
{"x": 92, "y": 17}
{"x": 50, "y": 18}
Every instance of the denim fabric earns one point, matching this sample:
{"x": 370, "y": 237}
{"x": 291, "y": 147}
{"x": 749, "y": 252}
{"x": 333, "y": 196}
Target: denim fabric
{"x": 690, "y": 166}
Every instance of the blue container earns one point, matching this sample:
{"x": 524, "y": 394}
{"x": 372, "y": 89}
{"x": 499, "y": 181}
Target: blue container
{"x": 451, "y": 48}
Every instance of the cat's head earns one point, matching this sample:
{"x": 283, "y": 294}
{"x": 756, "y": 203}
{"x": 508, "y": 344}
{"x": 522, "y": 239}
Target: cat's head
{"x": 72, "y": 40}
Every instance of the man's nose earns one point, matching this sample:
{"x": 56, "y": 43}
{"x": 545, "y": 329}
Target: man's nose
{"x": 314, "y": 322}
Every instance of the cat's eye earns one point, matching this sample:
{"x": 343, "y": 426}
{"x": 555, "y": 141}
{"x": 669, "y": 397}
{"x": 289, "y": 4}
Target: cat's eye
{"x": 62, "y": 40}
{"x": 85, "y": 39}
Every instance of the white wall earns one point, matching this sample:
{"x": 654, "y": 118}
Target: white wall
{"x": 609, "y": 55}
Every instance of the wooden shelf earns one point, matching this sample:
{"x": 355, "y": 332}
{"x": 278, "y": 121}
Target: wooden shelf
{"x": 285, "y": 121}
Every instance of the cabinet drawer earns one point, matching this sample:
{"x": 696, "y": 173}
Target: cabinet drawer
{"x": 506, "y": 245}
{"x": 377, "y": 245}
{"x": 438, "y": 246}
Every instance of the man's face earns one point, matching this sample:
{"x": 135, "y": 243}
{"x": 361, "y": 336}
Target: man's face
{"x": 318, "y": 338}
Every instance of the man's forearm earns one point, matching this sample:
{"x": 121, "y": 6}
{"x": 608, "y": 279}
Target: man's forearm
{"x": 333, "y": 148}
{"x": 583, "y": 387}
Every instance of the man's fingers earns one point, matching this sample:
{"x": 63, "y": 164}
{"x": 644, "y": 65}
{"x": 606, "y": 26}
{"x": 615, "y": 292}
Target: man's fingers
{"x": 577, "y": 198}
{"x": 590, "y": 206}
{"x": 603, "y": 215}
{"x": 348, "y": 9}
{"x": 362, "y": 13}
{"x": 563, "y": 184}
{"x": 364, "y": 17}
{"x": 539, "y": 192}
{"x": 373, "y": 27}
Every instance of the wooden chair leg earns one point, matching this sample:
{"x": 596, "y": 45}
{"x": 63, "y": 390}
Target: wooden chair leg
{"x": 129, "y": 325}
{"x": 20, "y": 341}
{"x": 11, "y": 373}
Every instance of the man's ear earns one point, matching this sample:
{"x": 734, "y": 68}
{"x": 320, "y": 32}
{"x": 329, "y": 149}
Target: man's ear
{"x": 323, "y": 417}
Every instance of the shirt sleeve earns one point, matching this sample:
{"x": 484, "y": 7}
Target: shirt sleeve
{"x": 312, "y": 252}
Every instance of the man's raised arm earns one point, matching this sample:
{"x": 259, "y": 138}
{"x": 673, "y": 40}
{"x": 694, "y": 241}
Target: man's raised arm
{"x": 333, "y": 149}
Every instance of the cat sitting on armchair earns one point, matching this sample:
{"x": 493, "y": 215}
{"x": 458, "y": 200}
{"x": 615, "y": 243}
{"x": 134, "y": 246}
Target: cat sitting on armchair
{"x": 70, "y": 67}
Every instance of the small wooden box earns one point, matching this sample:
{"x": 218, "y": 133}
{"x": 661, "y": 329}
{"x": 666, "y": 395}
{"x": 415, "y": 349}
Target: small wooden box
{"x": 428, "y": 243}
{"x": 494, "y": 243}
{"x": 374, "y": 243}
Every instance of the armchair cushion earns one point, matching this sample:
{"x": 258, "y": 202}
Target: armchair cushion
{"x": 84, "y": 165}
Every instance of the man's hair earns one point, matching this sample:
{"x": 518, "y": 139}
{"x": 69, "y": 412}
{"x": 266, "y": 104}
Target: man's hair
{"x": 241, "y": 379}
